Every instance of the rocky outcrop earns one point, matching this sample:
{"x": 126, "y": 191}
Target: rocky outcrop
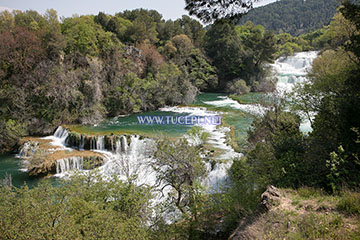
{"x": 40, "y": 158}
{"x": 252, "y": 227}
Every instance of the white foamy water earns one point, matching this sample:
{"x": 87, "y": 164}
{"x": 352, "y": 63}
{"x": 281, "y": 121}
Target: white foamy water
{"x": 59, "y": 138}
{"x": 217, "y": 176}
{"x": 293, "y": 69}
{"x": 225, "y": 101}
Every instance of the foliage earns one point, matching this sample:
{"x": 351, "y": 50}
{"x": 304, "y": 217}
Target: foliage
{"x": 277, "y": 149}
{"x": 238, "y": 87}
{"x": 293, "y": 16}
{"x": 179, "y": 166}
{"x": 209, "y": 11}
{"x": 240, "y": 52}
{"x": 86, "y": 207}
{"x": 80, "y": 70}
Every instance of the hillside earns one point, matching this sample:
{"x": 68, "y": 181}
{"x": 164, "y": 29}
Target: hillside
{"x": 293, "y": 16}
{"x": 303, "y": 214}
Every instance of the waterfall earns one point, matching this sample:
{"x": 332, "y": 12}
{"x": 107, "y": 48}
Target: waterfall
{"x": 121, "y": 145}
{"x": 124, "y": 145}
{"x": 61, "y": 134}
{"x": 27, "y": 149}
{"x": 133, "y": 162}
{"x": 100, "y": 144}
{"x": 293, "y": 69}
{"x": 118, "y": 146}
{"x": 67, "y": 164}
{"x": 112, "y": 144}
{"x": 82, "y": 142}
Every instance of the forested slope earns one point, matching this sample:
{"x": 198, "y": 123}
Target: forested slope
{"x": 293, "y": 16}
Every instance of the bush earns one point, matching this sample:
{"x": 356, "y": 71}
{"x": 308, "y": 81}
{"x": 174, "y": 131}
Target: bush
{"x": 238, "y": 87}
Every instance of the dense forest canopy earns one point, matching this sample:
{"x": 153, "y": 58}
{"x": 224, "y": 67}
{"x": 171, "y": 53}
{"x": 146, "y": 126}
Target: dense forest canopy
{"x": 86, "y": 68}
{"x": 293, "y": 16}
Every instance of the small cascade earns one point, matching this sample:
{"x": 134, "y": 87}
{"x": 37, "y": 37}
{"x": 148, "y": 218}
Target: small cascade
{"x": 61, "y": 133}
{"x": 118, "y": 147}
{"x": 293, "y": 69}
{"x": 82, "y": 142}
{"x": 27, "y": 149}
{"x": 100, "y": 144}
{"x": 131, "y": 162}
{"x": 112, "y": 145}
{"x": 68, "y": 164}
{"x": 124, "y": 145}
{"x": 93, "y": 143}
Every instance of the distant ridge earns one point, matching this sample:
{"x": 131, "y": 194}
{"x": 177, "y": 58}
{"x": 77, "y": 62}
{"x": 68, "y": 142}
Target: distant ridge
{"x": 293, "y": 16}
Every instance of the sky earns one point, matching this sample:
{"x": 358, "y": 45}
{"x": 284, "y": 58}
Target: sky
{"x": 170, "y": 9}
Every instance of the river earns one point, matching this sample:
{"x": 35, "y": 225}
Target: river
{"x": 290, "y": 70}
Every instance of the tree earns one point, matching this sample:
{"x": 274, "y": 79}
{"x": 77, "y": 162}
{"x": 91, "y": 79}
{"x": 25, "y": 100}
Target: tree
{"x": 240, "y": 52}
{"x": 84, "y": 207}
{"x": 180, "y": 167}
{"x": 20, "y": 51}
{"x": 333, "y": 92}
{"x": 210, "y": 10}
{"x": 224, "y": 47}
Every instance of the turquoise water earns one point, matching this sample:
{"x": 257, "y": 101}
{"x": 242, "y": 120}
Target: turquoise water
{"x": 240, "y": 120}
{"x": 205, "y": 97}
{"x": 130, "y": 124}
{"x": 11, "y": 165}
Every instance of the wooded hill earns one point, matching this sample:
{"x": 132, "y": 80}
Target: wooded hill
{"x": 293, "y": 16}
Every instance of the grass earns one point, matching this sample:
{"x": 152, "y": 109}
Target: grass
{"x": 312, "y": 214}
{"x": 349, "y": 203}
{"x": 307, "y": 192}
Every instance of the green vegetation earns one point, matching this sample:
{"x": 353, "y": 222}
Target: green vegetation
{"x": 87, "y": 68}
{"x": 240, "y": 54}
{"x": 349, "y": 203}
{"x": 293, "y": 16}
{"x": 328, "y": 159}
{"x": 279, "y": 154}
{"x": 308, "y": 217}
{"x": 90, "y": 67}
{"x": 86, "y": 207}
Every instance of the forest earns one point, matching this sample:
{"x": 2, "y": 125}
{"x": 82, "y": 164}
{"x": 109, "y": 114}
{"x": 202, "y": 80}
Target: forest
{"x": 293, "y": 16}
{"x": 85, "y": 69}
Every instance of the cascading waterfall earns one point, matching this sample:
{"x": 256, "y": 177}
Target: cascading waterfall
{"x": 124, "y": 145}
{"x": 61, "y": 134}
{"x": 118, "y": 147}
{"x": 217, "y": 176}
{"x": 82, "y": 142}
{"x": 68, "y": 164}
{"x": 132, "y": 164}
{"x": 293, "y": 69}
{"x": 28, "y": 149}
{"x": 100, "y": 144}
